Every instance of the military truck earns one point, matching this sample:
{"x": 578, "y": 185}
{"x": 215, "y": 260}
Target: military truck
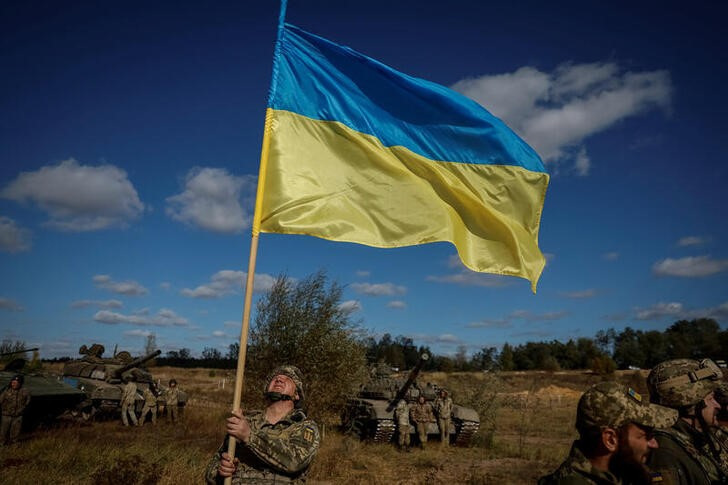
{"x": 370, "y": 414}
{"x": 50, "y": 397}
{"x": 102, "y": 380}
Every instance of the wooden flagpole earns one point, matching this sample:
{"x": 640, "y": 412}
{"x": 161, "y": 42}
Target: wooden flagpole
{"x": 240, "y": 373}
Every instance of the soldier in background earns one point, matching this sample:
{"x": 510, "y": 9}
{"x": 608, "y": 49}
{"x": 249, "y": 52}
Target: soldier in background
{"x": 443, "y": 411}
{"x": 171, "y": 398}
{"x": 150, "y": 404}
{"x": 688, "y": 452}
{"x": 128, "y": 402}
{"x": 14, "y": 399}
{"x": 402, "y": 415}
{"x": 615, "y": 426}
{"x": 276, "y": 445}
{"x": 421, "y": 414}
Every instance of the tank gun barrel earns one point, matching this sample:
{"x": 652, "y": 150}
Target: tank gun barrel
{"x": 3, "y": 354}
{"x": 136, "y": 362}
{"x": 402, "y": 392}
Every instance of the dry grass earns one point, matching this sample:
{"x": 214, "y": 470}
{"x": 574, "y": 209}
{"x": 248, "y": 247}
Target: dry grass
{"x": 527, "y": 430}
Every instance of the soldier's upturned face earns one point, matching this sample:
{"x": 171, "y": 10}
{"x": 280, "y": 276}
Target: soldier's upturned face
{"x": 283, "y": 385}
{"x": 15, "y": 384}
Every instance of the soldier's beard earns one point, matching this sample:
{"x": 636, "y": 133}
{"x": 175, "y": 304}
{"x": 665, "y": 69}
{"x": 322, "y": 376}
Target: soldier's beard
{"x": 626, "y": 465}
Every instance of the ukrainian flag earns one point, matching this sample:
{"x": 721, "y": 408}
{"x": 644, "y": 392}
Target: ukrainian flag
{"x": 356, "y": 151}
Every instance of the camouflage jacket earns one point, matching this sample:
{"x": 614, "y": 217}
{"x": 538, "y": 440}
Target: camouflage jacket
{"x": 720, "y": 434}
{"x": 443, "y": 407}
{"x": 14, "y": 401}
{"x": 421, "y": 413}
{"x": 684, "y": 457}
{"x": 128, "y": 394}
{"x": 171, "y": 396}
{"x": 149, "y": 398}
{"x": 578, "y": 470}
{"x": 276, "y": 453}
{"x": 402, "y": 414}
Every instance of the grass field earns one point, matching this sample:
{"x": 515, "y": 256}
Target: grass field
{"x": 527, "y": 425}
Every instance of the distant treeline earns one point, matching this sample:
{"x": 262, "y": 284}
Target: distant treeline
{"x": 607, "y": 351}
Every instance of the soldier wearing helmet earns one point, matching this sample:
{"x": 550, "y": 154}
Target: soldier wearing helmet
{"x": 14, "y": 399}
{"x": 276, "y": 445}
{"x": 615, "y": 425}
{"x": 720, "y": 432}
{"x": 688, "y": 453}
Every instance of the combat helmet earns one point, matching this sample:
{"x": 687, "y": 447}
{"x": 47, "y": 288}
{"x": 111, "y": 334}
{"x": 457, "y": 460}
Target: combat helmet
{"x": 682, "y": 383}
{"x": 612, "y": 405}
{"x": 289, "y": 371}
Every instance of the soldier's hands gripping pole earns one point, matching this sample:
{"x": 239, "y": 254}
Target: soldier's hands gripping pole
{"x": 239, "y": 376}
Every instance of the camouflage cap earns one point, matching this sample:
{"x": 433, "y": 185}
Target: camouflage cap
{"x": 290, "y": 371}
{"x": 610, "y": 404}
{"x": 681, "y": 383}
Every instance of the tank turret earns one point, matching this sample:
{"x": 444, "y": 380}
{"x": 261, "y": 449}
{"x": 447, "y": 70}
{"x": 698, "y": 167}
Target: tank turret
{"x": 101, "y": 379}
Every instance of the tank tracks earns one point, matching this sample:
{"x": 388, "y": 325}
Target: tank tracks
{"x": 465, "y": 432}
{"x": 383, "y": 432}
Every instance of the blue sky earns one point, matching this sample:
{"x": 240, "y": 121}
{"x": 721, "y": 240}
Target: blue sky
{"x": 130, "y": 136}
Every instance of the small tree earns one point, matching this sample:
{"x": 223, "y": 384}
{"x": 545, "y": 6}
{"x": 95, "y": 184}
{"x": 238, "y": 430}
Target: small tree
{"x": 302, "y": 323}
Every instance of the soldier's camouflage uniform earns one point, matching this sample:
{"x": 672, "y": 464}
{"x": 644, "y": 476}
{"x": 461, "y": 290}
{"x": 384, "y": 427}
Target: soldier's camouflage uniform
{"x": 150, "y": 405}
{"x": 685, "y": 456}
{"x": 171, "y": 398}
{"x": 402, "y": 414}
{"x": 128, "y": 400}
{"x": 443, "y": 410}
{"x": 421, "y": 414}
{"x": 578, "y": 470}
{"x": 13, "y": 403}
{"x": 276, "y": 453}
{"x": 606, "y": 405}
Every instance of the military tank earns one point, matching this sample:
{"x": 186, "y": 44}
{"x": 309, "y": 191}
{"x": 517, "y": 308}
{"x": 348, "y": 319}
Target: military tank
{"x": 102, "y": 380}
{"x": 370, "y": 414}
{"x": 50, "y": 397}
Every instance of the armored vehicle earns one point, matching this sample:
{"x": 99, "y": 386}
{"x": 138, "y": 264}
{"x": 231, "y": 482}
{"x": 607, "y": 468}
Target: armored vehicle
{"x": 50, "y": 397}
{"x": 370, "y": 414}
{"x": 102, "y": 380}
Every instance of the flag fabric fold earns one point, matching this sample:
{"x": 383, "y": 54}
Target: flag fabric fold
{"x": 356, "y": 151}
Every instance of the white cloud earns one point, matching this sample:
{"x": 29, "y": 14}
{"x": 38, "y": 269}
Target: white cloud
{"x": 165, "y": 285}
{"x": 163, "y": 318}
{"x": 230, "y": 323}
{"x": 212, "y": 200}
{"x": 556, "y": 112}
{"x": 96, "y": 303}
{"x": 691, "y": 241}
{"x": 378, "y": 289}
{"x": 611, "y": 256}
{"x": 219, "y": 333}
{"x": 397, "y": 304}
{"x": 137, "y": 333}
{"x": 228, "y": 282}
{"x": 78, "y": 197}
{"x": 128, "y": 288}
{"x": 660, "y": 310}
{"x": 13, "y": 238}
{"x": 10, "y": 305}
{"x": 676, "y": 310}
{"x": 466, "y": 277}
{"x": 579, "y": 294}
{"x": 526, "y": 315}
{"x": 350, "y": 306}
{"x": 690, "y": 267}
{"x": 363, "y": 273}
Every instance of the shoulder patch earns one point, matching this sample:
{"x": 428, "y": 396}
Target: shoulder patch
{"x": 635, "y": 394}
{"x": 655, "y": 477}
{"x": 309, "y": 433}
